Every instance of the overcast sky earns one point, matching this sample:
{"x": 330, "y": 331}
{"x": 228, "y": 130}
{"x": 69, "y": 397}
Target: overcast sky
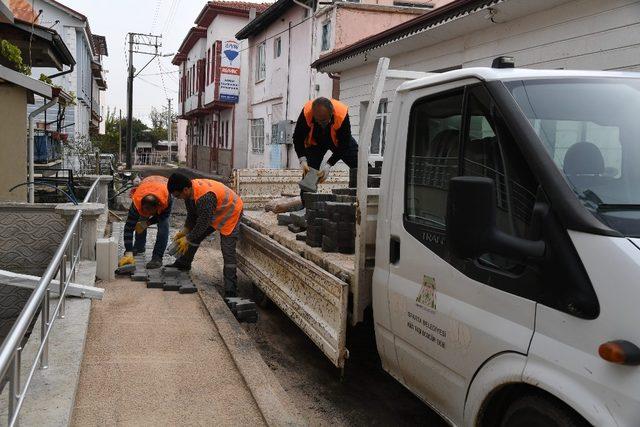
{"x": 114, "y": 19}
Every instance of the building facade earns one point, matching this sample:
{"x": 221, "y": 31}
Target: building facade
{"x": 549, "y": 34}
{"x": 211, "y": 99}
{"x": 86, "y": 80}
{"x": 283, "y": 42}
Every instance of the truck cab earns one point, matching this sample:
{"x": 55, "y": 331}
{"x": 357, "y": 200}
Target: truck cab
{"x": 507, "y": 258}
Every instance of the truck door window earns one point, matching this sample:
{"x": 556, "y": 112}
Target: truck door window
{"x": 432, "y": 160}
{"x": 489, "y": 150}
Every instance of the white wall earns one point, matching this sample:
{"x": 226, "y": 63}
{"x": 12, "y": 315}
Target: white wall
{"x": 288, "y": 85}
{"x": 582, "y": 34}
{"x": 72, "y": 31}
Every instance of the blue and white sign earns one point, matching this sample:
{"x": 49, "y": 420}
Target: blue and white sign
{"x": 229, "y": 90}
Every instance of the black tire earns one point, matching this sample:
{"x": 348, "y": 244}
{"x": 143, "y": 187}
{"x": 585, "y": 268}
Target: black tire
{"x": 540, "y": 411}
{"x": 260, "y": 298}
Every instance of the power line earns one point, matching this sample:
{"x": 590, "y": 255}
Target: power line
{"x": 154, "y": 84}
{"x": 155, "y": 15}
{"x": 163, "y": 72}
{"x": 162, "y": 79}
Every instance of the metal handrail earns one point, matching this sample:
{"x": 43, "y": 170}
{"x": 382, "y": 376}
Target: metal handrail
{"x": 11, "y": 350}
{"x": 92, "y": 190}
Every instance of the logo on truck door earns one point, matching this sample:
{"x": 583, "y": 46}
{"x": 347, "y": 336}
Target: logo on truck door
{"x": 427, "y": 296}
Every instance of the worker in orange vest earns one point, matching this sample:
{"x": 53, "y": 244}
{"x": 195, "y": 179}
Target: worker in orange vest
{"x": 150, "y": 204}
{"x": 324, "y": 126}
{"x": 211, "y": 206}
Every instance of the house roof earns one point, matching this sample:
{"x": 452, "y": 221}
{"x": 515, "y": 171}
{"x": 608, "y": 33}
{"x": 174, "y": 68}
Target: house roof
{"x": 265, "y": 19}
{"x": 22, "y": 9}
{"x": 455, "y": 9}
{"x": 234, "y": 8}
{"x": 47, "y": 47}
{"x": 100, "y": 43}
{"x": 194, "y": 34}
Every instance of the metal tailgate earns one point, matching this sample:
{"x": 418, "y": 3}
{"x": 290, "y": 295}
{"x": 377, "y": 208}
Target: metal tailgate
{"x": 314, "y": 299}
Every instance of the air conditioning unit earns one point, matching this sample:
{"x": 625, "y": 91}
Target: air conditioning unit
{"x": 285, "y": 132}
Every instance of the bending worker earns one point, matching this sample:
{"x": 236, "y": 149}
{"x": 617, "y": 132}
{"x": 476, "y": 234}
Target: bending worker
{"x": 324, "y": 125}
{"x": 211, "y": 206}
{"x": 150, "y": 204}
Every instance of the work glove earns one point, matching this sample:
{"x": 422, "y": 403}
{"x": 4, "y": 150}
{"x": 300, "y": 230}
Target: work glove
{"x": 127, "y": 259}
{"x": 183, "y": 245}
{"x": 305, "y": 166}
{"x": 141, "y": 226}
{"x": 323, "y": 173}
{"x": 180, "y": 234}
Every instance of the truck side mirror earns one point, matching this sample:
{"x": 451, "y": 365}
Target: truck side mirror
{"x": 471, "y": 222}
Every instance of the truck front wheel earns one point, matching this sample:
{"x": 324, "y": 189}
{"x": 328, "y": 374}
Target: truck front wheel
{"x": 540, "y": 411}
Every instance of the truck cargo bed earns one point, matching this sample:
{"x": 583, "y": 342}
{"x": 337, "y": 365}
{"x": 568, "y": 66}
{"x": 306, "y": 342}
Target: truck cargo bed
{"x": 309, "y": 285}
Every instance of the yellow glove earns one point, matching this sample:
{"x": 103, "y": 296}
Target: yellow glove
{"x": 183, "y": 245}
{"x": 141, "y": 226}
{"x": 180, "y": 234}
{"x": 126, "y": 259}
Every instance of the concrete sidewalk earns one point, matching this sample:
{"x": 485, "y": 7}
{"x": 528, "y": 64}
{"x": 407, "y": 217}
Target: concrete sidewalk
{"x": 156, "y": 358}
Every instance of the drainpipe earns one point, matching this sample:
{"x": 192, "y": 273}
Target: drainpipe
{"x": 32, "y": 115}
{"x": 70, "y": 70}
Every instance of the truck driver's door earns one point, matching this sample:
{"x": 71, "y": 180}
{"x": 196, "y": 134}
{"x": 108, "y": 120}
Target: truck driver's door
{"x": 446, "y": 314}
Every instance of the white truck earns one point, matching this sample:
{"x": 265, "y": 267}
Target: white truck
{"x": 501, "y": 255}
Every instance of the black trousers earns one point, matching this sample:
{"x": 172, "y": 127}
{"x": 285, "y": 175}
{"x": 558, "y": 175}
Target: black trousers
{"x": 316, "y": 154}
{"x": 228, "y": 249}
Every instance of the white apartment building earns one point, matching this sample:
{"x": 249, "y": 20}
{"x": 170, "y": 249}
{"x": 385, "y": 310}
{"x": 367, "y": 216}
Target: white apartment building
{"x": 85, "y": 80}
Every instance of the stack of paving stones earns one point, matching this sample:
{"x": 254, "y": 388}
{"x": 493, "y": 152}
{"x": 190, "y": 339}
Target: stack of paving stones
{"x": 316, "y": 205}
{"x": 339, "y": 229}
{"x": 373, "y": 180}
{"x": 243, "y": 309}
{"x": 166, "y": 278}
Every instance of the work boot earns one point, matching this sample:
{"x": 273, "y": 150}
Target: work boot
{"x": 180, "y": 265}
{"x": 154, "y": 263}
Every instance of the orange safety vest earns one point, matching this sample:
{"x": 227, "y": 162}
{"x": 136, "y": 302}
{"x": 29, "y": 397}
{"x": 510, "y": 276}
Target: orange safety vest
{"x": 340, "y": 111}
{"x": 229, "y": 207}
{"x": 156, "y": 185}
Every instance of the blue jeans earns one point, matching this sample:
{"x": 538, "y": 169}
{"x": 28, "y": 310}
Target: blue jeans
{"x": 162, "y": 237}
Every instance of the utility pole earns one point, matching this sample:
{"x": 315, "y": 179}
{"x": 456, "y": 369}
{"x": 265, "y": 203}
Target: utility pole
{"x": 145, "y": 44}
{"x": 130, "y": 103}
{"x": 120, "y": 136}
{"x": 169, "y": 122}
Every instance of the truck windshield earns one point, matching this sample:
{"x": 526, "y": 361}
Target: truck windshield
{"x": 591, "y": 129}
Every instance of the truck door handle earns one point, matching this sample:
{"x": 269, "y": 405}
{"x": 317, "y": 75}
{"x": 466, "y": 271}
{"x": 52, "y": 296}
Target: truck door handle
{"x": 394, "y": 250}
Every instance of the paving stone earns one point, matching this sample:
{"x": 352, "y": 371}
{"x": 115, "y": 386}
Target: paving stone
{"x": 171, "y": 285}
{"x": 294, "y": 228}
{"x": 344, "y": 191}
{"x": 155, "y": 281}
{"x": 188, "y": 288}
{"x": 170, "y": 272}
{"x": 139, "y": 276}
{"x": 310, "y": 181}
{"x": 243, "y": 309}
{"x": 284, "y": 219}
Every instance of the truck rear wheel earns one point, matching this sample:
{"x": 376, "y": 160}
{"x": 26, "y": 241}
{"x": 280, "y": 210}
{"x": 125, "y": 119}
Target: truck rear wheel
{"x": 540, "y": 411}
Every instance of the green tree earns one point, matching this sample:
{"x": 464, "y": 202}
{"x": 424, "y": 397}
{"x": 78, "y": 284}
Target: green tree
{"x": 109, "y": 142}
